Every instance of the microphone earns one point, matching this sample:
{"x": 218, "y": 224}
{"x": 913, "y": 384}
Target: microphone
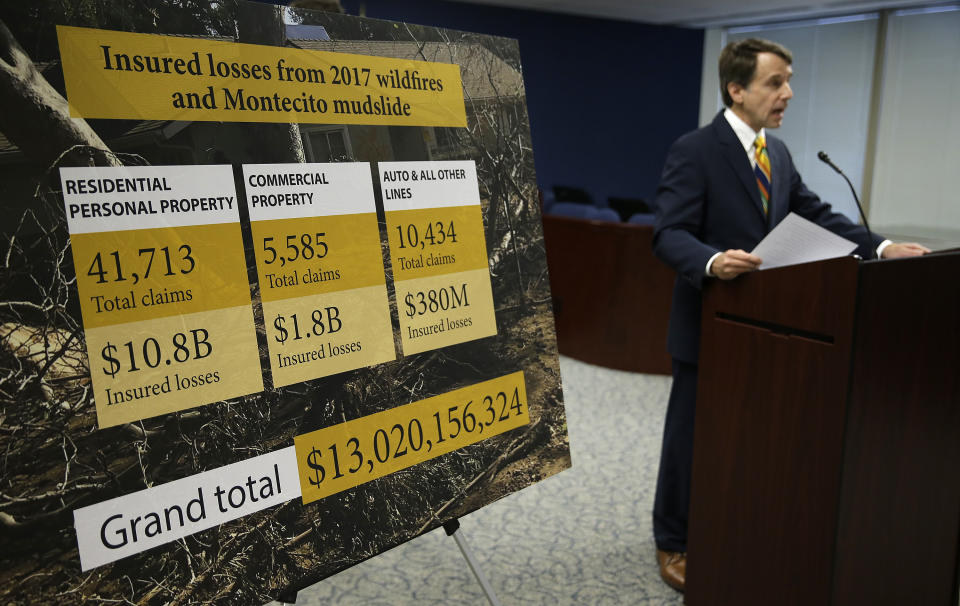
{"x": 822, "y": 155}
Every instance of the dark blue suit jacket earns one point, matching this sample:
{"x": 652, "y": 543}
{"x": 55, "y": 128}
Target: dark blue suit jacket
{"x": 708, "y": 202}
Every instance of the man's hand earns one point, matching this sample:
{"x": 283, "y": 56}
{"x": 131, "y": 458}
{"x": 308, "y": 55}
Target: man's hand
{"x": 732, "y": 263}
{"x": 898, "y": 250}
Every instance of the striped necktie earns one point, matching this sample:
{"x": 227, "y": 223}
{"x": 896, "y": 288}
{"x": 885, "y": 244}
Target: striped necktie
{"x": 762, "y": 171}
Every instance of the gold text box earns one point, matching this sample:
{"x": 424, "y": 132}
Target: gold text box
{"x": 176, "y": 78}
{"x": 416, "y": 255}
{"x": 213, "y": 254}
{"x": 229, "y": 368}
{"x": 362, "y": 334}
{"x": 352, "y": 258}
{"x": 336, "y": 458}
{"x": 444, "y": 310}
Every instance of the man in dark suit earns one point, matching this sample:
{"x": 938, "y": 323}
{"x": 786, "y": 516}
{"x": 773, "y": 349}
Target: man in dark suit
{"x": 723, "y": 188}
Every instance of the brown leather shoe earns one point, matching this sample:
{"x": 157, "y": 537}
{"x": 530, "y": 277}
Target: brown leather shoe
{"x": 673, "y": 568}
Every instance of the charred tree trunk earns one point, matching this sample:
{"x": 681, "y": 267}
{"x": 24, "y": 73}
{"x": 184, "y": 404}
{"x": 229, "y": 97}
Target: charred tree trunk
{"x": 35, "y": 117}
{"x": 263, "y": 24}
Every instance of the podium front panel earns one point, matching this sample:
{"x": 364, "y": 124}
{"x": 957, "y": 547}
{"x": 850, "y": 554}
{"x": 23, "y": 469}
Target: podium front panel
{"x": 768, "y": 451}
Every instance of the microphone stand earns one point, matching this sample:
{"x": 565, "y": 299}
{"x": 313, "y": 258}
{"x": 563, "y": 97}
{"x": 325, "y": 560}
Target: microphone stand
{"x": 826, "y": 160}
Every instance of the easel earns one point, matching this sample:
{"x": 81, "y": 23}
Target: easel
{"x": 452, "y": 528}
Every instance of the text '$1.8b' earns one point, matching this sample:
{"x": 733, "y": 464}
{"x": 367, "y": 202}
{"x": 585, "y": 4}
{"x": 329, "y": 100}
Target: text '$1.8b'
{"x": 325, "y": 321}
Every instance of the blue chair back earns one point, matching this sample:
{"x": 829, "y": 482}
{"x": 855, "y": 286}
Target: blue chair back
{"x": 641, "y": 219}
{"x": 582, "y": 211}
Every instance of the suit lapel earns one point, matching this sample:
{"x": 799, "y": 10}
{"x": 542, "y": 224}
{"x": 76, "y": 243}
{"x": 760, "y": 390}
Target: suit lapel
{"x": 780, "y": 175}
{"x": 734, "y": 155}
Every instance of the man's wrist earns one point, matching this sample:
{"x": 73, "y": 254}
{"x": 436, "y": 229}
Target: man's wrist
{"x": 881, "y": 248}
{"x": 708, "y": 271}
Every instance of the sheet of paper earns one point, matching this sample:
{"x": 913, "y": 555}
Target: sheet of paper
{"x": 797, "y": 240}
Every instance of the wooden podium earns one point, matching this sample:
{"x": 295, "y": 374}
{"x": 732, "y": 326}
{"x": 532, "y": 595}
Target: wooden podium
{"x": 827, "y": 438}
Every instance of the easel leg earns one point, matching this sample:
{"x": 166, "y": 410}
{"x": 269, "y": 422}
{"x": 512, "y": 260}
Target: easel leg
{"x": 452, "y": 528}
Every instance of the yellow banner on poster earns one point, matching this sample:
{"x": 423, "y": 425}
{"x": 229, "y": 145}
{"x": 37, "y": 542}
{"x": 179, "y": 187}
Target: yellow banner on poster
{"x": 162, "y": 365}
{"x": 434, "y": 241}
{"x": 312, "y": 255}
{"x": 437, "y": 311}
{"x": 320, "y": 335}
{"x": 122, "y": 75}
{"x": 140, "y": 274}
{"x": 336, "y": 458}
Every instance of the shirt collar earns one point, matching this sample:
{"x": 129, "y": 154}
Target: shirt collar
{"x": 744, "y": 131}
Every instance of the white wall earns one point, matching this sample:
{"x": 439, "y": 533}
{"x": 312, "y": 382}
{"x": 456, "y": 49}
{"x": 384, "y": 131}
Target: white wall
{"x": 710, "y": 101}
{"x": 918, "y": 135}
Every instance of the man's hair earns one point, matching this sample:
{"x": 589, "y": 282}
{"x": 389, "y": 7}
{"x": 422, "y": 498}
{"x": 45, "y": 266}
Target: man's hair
{"x": 738, "y": 62}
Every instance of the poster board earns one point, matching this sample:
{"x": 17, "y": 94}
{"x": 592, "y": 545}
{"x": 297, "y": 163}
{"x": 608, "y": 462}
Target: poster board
{"x": 256, "y": 330}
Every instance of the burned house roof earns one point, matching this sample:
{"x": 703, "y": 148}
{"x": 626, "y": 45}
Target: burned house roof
{"x": 485, "y": 76}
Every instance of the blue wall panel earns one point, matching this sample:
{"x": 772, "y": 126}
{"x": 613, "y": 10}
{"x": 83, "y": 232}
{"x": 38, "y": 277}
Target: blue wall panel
{"x": 606, "y": 98}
